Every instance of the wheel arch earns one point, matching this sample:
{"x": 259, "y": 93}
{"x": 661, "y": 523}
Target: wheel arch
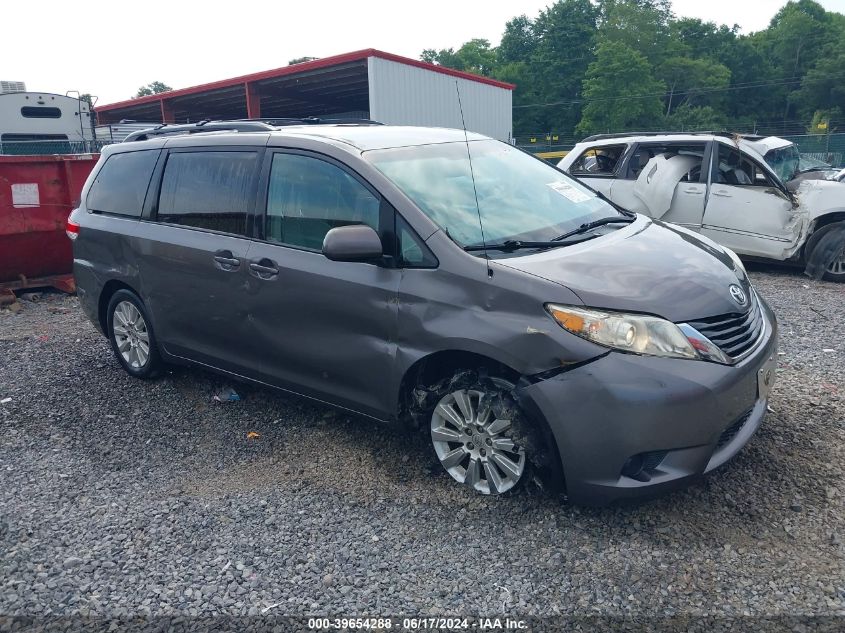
{"x": 441, "y": 364}
{"x": 110, "y": 287}
{"x": 830, "y": 217}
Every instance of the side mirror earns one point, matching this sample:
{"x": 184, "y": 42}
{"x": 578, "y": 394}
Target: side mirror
{"x": 354, "y": 243}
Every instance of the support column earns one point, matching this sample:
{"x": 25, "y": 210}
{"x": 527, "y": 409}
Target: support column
{"x": 167, "y": 114}
{"x": 253, "y": 101}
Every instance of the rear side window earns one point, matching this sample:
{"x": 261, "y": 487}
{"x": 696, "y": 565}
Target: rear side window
{"x": 121, "y": 184}
{"x": 208, "y": 190}
{"x": 307, "y": 197}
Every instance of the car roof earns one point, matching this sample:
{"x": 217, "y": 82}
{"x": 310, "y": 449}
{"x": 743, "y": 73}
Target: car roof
{"x": 353, "y": 136}
{"x": 367, "y": 138}
{"x": 753, "y": 145}
{"x": 649, "y": 138}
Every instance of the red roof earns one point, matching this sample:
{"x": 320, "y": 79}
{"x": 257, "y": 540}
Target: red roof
{"x": 303, "y": 67}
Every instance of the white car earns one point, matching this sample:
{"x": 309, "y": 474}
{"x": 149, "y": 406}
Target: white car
{"x": 729, "y": 188}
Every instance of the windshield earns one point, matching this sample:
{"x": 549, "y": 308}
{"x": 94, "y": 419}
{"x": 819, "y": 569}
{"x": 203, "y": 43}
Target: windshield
{"x": 783, "y": 161}
{"x": 519, "y": 197}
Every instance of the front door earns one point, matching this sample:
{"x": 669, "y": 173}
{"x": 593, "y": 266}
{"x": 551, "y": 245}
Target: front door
{"x": 322, "y": 328}
{"x": 746, "y": 210}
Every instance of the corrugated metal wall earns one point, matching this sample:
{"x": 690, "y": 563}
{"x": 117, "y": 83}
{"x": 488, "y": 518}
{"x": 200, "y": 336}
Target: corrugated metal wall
{"x": 405, "y": 95}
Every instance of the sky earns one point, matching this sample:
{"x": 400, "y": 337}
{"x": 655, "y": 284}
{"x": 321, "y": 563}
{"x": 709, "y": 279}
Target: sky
{"x": 96, "y": 48}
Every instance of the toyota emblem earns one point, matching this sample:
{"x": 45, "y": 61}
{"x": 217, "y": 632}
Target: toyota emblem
{"x": 738, "y": 295}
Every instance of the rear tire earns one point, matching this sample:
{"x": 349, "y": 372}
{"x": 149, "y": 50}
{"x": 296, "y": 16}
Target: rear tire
{"x": 131, "y": 335}
{"x": 822, "y": 241}
{"x": 479, "y": 433}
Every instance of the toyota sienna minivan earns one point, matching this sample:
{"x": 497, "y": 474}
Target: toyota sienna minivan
{"x": 451, "y": 282}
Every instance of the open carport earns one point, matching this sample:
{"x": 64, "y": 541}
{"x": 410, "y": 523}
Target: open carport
{"x": 364, "y": 84}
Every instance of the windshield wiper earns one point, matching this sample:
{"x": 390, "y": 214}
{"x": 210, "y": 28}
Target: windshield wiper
{"x": 588, "y": 226}
{"x": 515, "y": 245}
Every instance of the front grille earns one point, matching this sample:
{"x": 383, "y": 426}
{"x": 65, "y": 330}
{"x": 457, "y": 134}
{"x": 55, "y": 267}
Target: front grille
{"x": 733, "y": 333}
{"x": 729, "y": 433}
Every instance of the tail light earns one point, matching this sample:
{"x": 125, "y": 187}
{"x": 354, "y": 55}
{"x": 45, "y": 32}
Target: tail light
{"x": 71, "y": 228}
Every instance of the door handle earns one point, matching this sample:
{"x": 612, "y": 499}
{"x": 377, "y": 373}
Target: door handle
{"x": 693, "y": 190}
{"x": 225, "y": 260}
{"x": 264, "y": 269}
{"x": 722, "y": 193}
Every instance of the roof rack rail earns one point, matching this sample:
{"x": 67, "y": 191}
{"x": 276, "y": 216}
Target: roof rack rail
{"x": 168, "y": 129}
{"x": 313, "y": 120}
{"x": 601, "y": 137}
{"x": 236, "y": 125}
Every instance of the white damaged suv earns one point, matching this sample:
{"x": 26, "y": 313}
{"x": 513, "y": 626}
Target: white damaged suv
{"x": 730, "y": 188}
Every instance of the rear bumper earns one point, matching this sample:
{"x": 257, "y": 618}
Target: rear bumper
{"x": 674, "y": 419}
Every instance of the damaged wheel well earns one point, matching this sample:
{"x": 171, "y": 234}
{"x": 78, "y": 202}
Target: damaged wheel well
{"x": 427, "y": 377}
{"x": 824, "y": 220}
{"x": 434, "y": 367}
{"x": 109, "y": 289}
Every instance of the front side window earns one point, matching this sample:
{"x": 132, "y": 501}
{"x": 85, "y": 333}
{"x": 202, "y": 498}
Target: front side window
{"x": 412, "y": 252}
{"x": 121, "y": 184}
{"x": 518, "y": 196}
{"x": 307, "y": 197}
{"x": 208, "y": 190}
{"x": 598, "y": 161}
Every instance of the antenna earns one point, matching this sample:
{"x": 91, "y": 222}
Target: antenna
{"x": 472, "y": 176}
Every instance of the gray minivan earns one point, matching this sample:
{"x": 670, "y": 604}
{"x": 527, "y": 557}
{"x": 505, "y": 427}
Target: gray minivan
{"x": 424, "y": 276}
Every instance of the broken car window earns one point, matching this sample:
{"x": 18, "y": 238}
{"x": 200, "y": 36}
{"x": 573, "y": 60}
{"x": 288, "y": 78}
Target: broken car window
{"x": 646, "y": 151}
{"x": 735, "y": 168}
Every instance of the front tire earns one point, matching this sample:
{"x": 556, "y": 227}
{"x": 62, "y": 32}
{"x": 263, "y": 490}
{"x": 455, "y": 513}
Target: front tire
{"x": 479, "y": 433}
{"x": 131, "y": 335}
{"x": 822, "y": 243}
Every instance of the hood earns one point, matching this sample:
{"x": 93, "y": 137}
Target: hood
{"x": 647, "y": 267}
{"x": 819, "y": 197}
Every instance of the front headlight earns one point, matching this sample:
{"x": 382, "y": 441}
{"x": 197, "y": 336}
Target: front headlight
{"x": 634, "y": 333}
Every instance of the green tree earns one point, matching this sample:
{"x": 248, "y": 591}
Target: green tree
{"x": 822, "y": 88}
{"x": 641, "y": 25}
{"x": 694, "y": 82}
{"x": 475, "y": 56}
{"x": 689, "y": 118}
{"x": 299, "y": 60}
{"x": 153, "y": 88}
{"x": 519, "y": 41}
{"x": 620, "y": 92}
{"x": 565, "y": 34}
{"x": 794, "y": 41}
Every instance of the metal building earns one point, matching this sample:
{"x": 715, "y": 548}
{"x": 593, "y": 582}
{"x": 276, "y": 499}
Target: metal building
{"x": 366, "y": 84}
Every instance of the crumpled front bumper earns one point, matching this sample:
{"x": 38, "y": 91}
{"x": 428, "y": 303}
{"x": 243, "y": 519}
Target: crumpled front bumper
{"x": 678, "y": 418}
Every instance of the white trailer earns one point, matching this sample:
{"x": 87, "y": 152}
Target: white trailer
{"x": 29, "y": 117}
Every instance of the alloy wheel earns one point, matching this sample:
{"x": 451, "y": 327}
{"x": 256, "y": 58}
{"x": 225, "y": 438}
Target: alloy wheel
{"x": 837, "y": 266}
{"x": 131, "y": 335}
{"x": 474, "y": 445}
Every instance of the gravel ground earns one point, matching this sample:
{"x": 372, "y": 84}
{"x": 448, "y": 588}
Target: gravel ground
{"x": 124, "y": 497}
